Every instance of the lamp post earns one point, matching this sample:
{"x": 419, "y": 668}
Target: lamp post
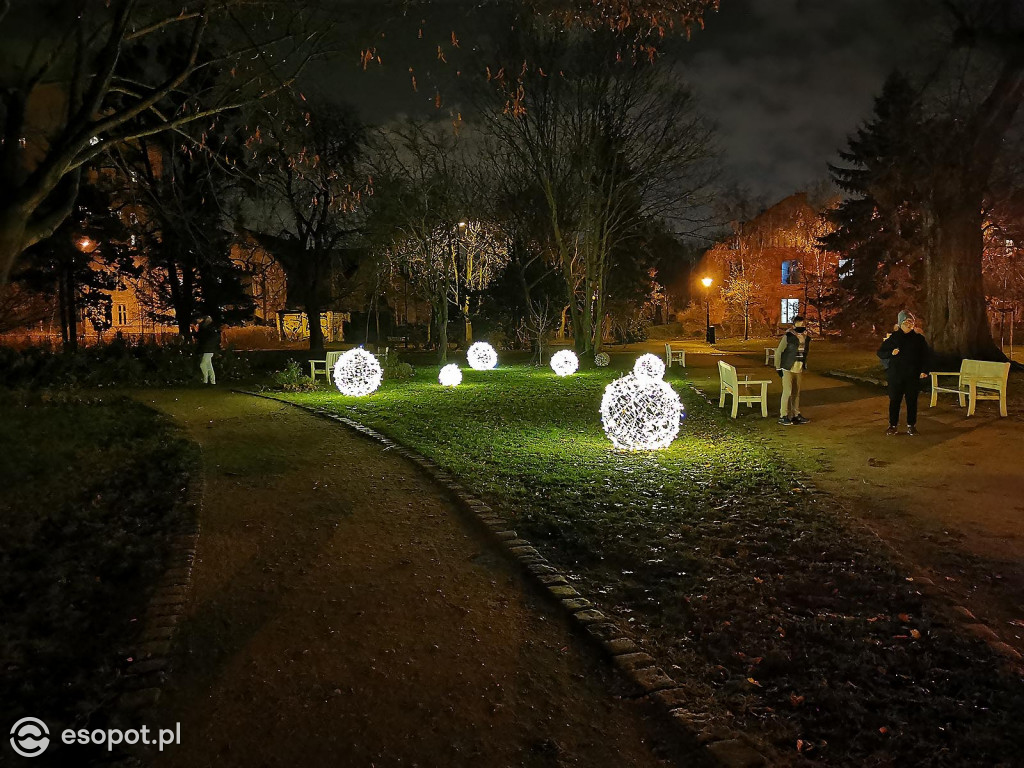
{"x": 707, "y": 306}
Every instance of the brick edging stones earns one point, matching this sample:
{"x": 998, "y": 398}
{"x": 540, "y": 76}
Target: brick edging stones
{"x": 727, "y": 748}
{"x": 151, "y": 657}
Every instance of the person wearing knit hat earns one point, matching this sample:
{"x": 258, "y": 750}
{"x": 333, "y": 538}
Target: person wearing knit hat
{"x": 905, "y": 355}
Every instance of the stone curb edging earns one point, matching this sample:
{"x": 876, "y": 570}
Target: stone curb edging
{"x": 852, "y": 377}
{"x": 727, "y": 748}
{"x": 152, "y": 656}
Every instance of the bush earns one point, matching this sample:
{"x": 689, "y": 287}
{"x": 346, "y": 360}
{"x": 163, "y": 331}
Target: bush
{"x": 116, "y": 364}
{"x": 394, "y": 368}
{"x": 292, "y": 379}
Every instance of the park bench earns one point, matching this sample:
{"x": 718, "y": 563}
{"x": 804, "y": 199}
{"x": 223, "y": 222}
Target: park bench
{"x": 976, "y": 380}
{"x": 769, "y": 356}
{"x": 731, "y": 385}
{"x": 674, "y": 356}
{"x": 326, "y": 367}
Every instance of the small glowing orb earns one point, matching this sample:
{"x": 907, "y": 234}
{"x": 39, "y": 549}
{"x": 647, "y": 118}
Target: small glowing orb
{"x": 601, "y": 359}
{"x": 640, "y": 413}
{"x": 649, "y": 366}
{"x": 481, "y": 356}
{"x": 450, "y": 376}
{"x": 357, "y": 373}
{"x": 565, "y": 363}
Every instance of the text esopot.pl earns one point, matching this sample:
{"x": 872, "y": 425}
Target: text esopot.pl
{"x": 30, "y": 736}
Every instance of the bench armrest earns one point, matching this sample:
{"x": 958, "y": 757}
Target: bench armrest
{"x": 945, "y": 373}
{"x": 752, "y": 382}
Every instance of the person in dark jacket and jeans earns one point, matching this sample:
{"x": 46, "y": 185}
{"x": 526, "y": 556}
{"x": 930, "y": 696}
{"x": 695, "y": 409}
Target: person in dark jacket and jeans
{"x": 790, "y": 360}
{"x": 207, "y": 343}
{"x": 907, "y": 354}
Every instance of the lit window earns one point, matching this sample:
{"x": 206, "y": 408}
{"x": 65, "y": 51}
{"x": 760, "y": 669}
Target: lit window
{"x": 790, "y": 309}
{"x": 790, "y": 272}
{"x": 845, "y": 267}
{"x": 122, "y": 314}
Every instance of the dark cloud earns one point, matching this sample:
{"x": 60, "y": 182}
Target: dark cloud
{"x": 787, "y": 80}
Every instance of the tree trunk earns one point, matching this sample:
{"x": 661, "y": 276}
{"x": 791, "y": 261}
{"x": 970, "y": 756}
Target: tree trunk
{"x": 957, "y": 323}
{"x": 441, "y": 313}
{"x": 13, "y": 221}
{"x": 316, "y": 331}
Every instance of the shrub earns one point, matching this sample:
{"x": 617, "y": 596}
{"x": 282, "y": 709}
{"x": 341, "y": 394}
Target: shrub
{"x": 292, "y": 379}
{"x": 394, "y": 368}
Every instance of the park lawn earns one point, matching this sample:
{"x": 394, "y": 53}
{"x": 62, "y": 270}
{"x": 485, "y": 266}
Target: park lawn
{"x": 92, "y": 491}
{"x": 778, "y": 616}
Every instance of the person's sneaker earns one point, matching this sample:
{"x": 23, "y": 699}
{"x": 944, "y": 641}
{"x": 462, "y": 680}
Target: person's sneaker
{"x": 798, "y": 419}
{"x": 912, "y": 430}
{"x": 892, "y": 431}
{"x": 786, "y": 421}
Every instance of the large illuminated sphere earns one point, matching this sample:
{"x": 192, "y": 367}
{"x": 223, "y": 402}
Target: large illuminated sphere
{"x": 649, "y": 366}
{"x": 357, "y": 373}
{"x": 481, "y": 356}
{"x": 601, "y": 359}
{"x": 640, "y": 413}
{"x": 450, "y": 376}
{"x": 565, "y": 363}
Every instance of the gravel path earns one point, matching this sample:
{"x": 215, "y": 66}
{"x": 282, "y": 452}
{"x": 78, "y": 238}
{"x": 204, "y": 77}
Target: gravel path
{"x": 342, "y": 614}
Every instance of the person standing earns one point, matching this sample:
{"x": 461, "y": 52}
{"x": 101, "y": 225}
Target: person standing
{"x": 906, "y": 352}
{"x": 790, "y": 360}
{"x": 207, "y": 343}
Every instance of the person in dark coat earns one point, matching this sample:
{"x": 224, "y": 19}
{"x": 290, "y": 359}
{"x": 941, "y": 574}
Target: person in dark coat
{"x": 207, "y": 343}
{"x": 790, "y": 361}
{"x": 907, "y": 354}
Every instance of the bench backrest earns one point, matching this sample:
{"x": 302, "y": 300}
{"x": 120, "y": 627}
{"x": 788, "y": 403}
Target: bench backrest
{"x": 728, "y": 374}
{"x": 983, "y": 369}
{"x": 332, "y": 358}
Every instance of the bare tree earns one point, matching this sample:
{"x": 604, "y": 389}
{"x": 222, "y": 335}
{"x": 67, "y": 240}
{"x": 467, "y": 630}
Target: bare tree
{"x": 80, "y": 77}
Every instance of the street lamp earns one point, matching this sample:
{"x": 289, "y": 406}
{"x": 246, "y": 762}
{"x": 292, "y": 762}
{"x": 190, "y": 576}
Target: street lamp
{"x": 707, "y": 306}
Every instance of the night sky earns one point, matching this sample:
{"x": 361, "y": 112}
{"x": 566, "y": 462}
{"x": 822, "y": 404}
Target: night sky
{"x": 785, "y": 80}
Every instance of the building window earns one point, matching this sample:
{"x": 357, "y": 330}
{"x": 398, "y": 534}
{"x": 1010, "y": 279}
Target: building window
{"x": 790, "y": 272}
{"x": 122, "y": 314}
{"x": 790, "y": 309}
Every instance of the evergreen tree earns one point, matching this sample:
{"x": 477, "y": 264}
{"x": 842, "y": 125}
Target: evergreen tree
{"x": 879, "y": 228}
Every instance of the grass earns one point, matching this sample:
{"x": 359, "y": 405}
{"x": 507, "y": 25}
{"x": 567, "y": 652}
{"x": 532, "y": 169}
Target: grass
{"x": 779, "y": 617}
{"x": 92, "y": 489}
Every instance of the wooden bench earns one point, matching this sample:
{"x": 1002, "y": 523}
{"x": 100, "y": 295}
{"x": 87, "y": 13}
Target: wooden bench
{"x": 731, "y": 385}
{"x": 674, "y": 356}
{"x": 976, "y": 380}
{"x": 769, "y": 356}
{"x": 326, "y": 367}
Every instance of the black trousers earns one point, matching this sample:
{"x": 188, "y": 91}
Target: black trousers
{"x": 899, "y": 390}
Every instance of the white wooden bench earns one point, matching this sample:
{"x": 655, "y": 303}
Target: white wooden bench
{"x": 674, "y": 356}
{"x": 326, "y": 367}
{"x": 731, "y": 385}
{"x": 769, "y": 356}
{"x": 976, "y": 380}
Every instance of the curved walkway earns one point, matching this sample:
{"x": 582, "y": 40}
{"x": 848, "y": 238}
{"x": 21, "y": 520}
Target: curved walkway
{"x": 342, "y": 615}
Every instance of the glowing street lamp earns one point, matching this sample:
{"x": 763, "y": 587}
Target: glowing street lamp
{"x": 707, "y": 306}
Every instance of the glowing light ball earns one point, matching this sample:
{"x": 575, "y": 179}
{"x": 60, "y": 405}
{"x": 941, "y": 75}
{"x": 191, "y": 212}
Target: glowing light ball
{"x": 450, "y": 376}
{"x": 481, "y": 356}
{"x": 565, "y": 363}
{"x": 649, "y": 366}
{"x": 601, "y": 359}
{"x": 357, "y": 373}
{"x": 640, "y": 413}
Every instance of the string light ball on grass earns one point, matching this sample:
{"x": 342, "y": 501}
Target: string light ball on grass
{"x": 450, "y": 375}
{"x": 640, "y": 413}
{"x": 565, "y": 363}
{"x": 602, "y": 359}
{"x": 357, "y": 373}
{"x": 649, "y": 366}
{"x": 481, "y": 356}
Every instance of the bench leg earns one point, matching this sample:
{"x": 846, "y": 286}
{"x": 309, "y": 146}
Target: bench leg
{"x": 972, "y": 400}
{"x": 764, "y": 401}
{"x": 935, "y": 396}
{"x": 721, "y": 398}
{"x": 735, "y": 405}
{"x": 1002, "y": 403}
{"x": 962, "y": 401}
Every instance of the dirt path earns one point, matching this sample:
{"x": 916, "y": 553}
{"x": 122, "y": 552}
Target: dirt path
{"x": 950, "y": 500}
{"x": 342, "y": 615}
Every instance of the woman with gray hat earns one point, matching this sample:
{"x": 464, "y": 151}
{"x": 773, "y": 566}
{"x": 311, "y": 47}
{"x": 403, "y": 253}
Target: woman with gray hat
{"x": 907, "y": 353}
